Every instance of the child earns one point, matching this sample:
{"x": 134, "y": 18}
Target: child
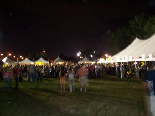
{"x": 71, "y": 75}
{"x": 62, "y": 81}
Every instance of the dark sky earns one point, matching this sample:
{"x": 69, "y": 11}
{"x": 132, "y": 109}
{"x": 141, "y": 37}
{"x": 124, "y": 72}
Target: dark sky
{"x": 63, "y": 26}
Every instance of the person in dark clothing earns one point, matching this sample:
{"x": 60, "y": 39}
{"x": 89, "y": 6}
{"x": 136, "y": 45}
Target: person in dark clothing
{"x": 16, "y": 75}
{"x": 151, "y": 79}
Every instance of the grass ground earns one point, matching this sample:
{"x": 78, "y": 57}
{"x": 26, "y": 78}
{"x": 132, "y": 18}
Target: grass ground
{"x": 106, "y": 96}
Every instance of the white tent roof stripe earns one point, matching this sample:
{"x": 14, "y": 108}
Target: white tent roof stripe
{"x": 42, "y": 60}
{"x": 139, "y": 50}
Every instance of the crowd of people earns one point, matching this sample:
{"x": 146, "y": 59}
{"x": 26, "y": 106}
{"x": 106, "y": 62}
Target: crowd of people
{"x": 34, "y": 73}
{"x": 82, "y": 72}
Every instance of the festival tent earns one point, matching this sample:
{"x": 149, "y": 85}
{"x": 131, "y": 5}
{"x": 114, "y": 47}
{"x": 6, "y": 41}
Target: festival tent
{"x": 148, "y": 50}
{"x": 85, "y": 60}
{"x": 41, "y": 61}
{"x": 138, "y": 50}
{"x": 107, "y": 60}
{"x": 26, "y": 61}
{"x": 101, "y": 60}
{"x": 7, "y": 61}
{"x": 58, "y": 60}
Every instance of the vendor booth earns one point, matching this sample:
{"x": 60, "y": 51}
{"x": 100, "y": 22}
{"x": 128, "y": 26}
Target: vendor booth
{"x": 85, "y": 60}
{"x": 26, "y": 61}
{"x": 58, "y": 60}
{"x": 7, "y": 61}
{"x": 41, "y": 61}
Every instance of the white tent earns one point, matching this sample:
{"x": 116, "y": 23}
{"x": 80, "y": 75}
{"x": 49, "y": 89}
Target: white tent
{"x": 58, "y": 60}
{"x": 101, "y": 60}
{"x": 138, "y": 50}
{"x": 85, "y": 60}
{"x": 26, "y": 61}
{"x": 41, "y": 61}
{"x": 6, "y": 60}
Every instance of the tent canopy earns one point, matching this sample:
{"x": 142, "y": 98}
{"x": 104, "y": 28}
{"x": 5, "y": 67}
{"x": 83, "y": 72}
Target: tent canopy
{"x": 59, "y": 60}
{"x": 102, "y": 60}
{"x": 85, "y": 60}
{"x": 6, "y": 60}
{"x": 26, "y": 61}
{"x": 137, "y": 50}
{"x": 41, "y": 61}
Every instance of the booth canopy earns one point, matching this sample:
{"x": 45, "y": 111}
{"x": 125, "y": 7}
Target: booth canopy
{"x": 59, "y": 60}
{"x": 26, "y": 61}
{"x": 138, "y": 50}
{"x": 41, "y": 61}
{"x": 6, "y": 60}
{"x": 85, "y": 60}
{"x": 101, "y": 60}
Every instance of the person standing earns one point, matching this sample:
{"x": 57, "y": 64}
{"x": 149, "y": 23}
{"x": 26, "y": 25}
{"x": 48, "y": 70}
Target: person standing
{"x": 32, "y": 73}
{"x": 118, "y": 71}
{"x": 71, "y": 75}
{"x": 62, "y": 81}
{"x": 8, "y": 76}
{"x": 16, "y": 75}
{"x": 41, "y": 73}
{"x": 151, "y": 79}
{"x": 83, "y": 77}
{"x": 122, "y": 71}
{"x": 137, "y": 71}
{"x": 52, "y": 72}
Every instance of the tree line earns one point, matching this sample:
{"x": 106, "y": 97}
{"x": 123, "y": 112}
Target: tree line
{"x": 141, "y": 26}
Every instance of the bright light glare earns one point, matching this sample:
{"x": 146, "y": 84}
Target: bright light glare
{"x": 106, "y": 55}
{"x": 91, "y": 55}
{"x": 1, "y": 54}
{"x": 79, "y": 53}
{"x": 32, "y": 63}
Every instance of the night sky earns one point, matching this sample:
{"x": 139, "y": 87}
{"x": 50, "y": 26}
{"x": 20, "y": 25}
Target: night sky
{"x": 63, "y": 26}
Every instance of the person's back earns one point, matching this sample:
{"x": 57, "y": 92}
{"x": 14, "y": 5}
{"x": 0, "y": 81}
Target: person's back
{"x": 151, "y": 78}
{"x": 31, "y": 69}
{"x": 25, "y": 68}
{"x": 71, "y": 75}
{"x": 62, "y": 81}
{"x": 82, "y": 71}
